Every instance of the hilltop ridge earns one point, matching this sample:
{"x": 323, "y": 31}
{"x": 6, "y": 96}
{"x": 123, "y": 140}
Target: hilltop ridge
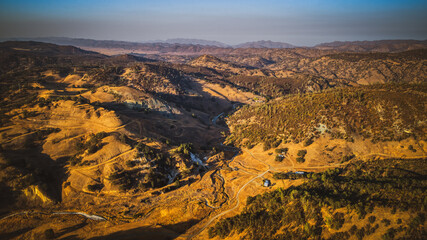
{"x": 264, "y": 44}
{"x": 375, "y": 46}
{"x": 200, "y": 46}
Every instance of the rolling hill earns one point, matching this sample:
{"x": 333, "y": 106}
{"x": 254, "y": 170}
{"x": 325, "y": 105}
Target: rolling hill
{"x": 176, "y": 142}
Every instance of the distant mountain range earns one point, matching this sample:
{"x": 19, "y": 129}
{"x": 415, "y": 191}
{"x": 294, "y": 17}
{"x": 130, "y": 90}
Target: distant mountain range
{"x": 265, "y": 44}
{"x": 257, "y": 44}
{"x": 199, "y": 46}
{"x": 374, "y": 46}
{"x": 82, "y": 42}
{"x": 196, "y": 42}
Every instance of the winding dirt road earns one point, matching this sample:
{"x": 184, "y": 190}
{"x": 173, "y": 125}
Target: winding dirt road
{"x": 103, "y": 163}
{"x": 236, "y": 197}
{"x": 231, "y": 209}
{"x": 270, "y": 169}
{"x": 89, "y": 216}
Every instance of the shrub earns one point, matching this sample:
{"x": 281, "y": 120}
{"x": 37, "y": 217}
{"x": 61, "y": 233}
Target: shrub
{"x": 278, "y": 158}
{"x": 95, "y": 187}
{"x": 93, "y": 144}
{"x": 277, "y": 143}
{"x": 282, "y": 150}
{"x": 411, "y": 148}
{"x": 336, "y": 221}
{"x": 302, "y": 153}
{"x": 347, "y": 158}
{"x": 74, "y": 160}
{"x": 389, "y": 235}
{"x": 372, "y": 219}
{"x": 93, "y": 148}
{"x": 360, "y": 233}
{"x": 49, "y": 234}
{"x": 386, "y": 221}
{"x": 130, "y": 163}
{"x": 122, "y": 138}
{"x": 308, "y": 142}
{"x": 266, "y": 146}
{"x": 353, "y": 229}
{"x": 185, "y": 148}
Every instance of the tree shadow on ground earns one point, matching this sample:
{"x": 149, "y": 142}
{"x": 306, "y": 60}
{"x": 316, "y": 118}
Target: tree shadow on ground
{"x": 42, "y": 170}
{"x": 14, "y": 234}
{"x": 70, "y": 229}
{"x": 164, "y": 232}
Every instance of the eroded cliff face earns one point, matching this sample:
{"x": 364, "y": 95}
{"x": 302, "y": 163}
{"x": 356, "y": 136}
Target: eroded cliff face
{"x": 33, "y": 193}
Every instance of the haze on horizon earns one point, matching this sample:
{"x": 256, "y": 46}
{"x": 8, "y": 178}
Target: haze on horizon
{"x": 302, "y": 23}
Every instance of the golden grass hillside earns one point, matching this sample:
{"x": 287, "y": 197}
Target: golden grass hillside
{"x": 376, "y": 112}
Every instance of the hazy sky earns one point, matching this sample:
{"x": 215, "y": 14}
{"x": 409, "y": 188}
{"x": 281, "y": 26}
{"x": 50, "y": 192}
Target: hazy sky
{"x": 300, "y": 22}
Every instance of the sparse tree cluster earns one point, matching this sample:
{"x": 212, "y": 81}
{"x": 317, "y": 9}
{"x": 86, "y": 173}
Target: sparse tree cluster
{"x": 340, "y": 113}
{"x": 358, "y": 188}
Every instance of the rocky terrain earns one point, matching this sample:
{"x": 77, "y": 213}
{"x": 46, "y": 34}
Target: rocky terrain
{"x": 174, "y": 141}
